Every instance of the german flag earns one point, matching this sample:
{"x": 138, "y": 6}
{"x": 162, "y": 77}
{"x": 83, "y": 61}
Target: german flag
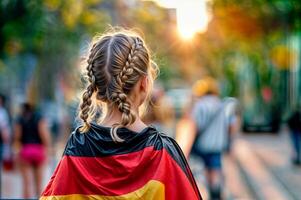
{"x": 147, "y": 165}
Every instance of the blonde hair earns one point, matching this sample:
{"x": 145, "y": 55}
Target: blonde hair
{"x": 206, "y": 85}
{"x": 116, "y": 62}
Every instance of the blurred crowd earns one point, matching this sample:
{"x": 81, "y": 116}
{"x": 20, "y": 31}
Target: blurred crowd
{"x": 28, "y": 142}
{"x": 204, "y": 125}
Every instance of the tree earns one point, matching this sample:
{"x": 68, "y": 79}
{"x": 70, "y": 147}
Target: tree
{"x": 50, "y": 33}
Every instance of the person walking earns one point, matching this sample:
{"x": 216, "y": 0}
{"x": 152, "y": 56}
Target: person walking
{"x": 33, "y": 140}
{"x": 4, "y": 126}
{"x": 4, "y": 133}
{"x": 120, "y": 157}
{"x": 294, "y": 124}
{"x": 212, "y": 123}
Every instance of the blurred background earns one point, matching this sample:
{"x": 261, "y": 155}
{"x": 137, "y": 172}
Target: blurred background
{"x": 251, "y": 47}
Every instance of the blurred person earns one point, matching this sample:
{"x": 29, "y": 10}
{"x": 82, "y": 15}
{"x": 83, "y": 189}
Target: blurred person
{"x": 294, "y": 124}
{"x": 6, "y": 154}
{"x": 185, "y": 129}
{"x": 4, "y": 134}
{"x": 233, "y": 119}
{"x": 33, "y": 140}
{"x": 151, "y": 116}
{"x": 160, "y": 112}
{"x": 4, "y": 126}
{"x": 119, "y": 156}
{"x": 212, "y": 123}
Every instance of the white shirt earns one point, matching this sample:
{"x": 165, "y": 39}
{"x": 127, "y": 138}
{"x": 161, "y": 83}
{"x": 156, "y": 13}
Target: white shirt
{"x": 4, "y": 120}
{"x": 215, "y": 136}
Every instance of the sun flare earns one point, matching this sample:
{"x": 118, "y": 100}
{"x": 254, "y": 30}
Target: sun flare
{"x": 192, "y": 16}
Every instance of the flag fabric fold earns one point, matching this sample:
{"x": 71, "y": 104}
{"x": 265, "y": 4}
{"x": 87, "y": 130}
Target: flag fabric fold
{"x": 147, "y": 165}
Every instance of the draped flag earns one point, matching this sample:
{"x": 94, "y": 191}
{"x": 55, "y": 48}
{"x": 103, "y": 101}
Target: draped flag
{"x": 147, "y": 165}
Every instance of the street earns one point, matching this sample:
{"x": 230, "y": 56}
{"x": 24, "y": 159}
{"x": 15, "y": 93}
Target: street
{"x": 258, "y": 168}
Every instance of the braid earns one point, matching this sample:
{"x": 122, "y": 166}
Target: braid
{"x": 85, "y": 107}
{"x": 119, "y": 97}
{"x": 128, "y": 69}
{"x": 115, "y": 64}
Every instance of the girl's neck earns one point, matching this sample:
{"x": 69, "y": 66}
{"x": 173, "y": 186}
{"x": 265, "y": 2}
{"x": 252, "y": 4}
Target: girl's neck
{"x": 114, "y": 116}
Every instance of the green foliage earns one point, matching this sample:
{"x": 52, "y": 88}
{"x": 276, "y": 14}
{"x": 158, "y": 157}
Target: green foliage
{"x": 241, "y": 33}
{"x": 51, "y": 31}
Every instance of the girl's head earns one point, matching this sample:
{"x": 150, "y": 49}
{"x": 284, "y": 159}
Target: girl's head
{"x": 26, "y": 108}
{"x": 120, "y": 73}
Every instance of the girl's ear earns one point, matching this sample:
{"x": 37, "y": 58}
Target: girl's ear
{"x": 144, "y": 83}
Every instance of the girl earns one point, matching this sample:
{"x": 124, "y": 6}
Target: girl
{"x": 31, "y": 134}
{"x": 121, "y": 157}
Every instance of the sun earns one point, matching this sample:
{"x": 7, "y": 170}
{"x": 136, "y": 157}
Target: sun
{"x": 186, "y": 27}
{"x": 187, "y": 32}
{"x": 192, "y": 16}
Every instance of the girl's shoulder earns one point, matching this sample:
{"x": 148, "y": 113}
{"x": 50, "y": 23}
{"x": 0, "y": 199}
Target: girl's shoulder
{"x": 98, "y": 141}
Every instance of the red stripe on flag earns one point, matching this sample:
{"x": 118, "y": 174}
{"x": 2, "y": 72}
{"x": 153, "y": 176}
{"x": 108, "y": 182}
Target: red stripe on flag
{"x": 120, "y": 174}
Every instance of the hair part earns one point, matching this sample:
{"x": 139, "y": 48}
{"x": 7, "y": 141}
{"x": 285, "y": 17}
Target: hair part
{"x": 116, "y": 62}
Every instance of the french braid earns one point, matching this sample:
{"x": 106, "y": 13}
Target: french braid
{"x": 85, "y": 107}
{"x": 119, "y": 97}
{"x": 116, "y": 63}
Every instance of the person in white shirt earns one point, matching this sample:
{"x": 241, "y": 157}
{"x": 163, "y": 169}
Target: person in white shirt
{"x": 4, "y": 126}
{"x": 212, "y": 120}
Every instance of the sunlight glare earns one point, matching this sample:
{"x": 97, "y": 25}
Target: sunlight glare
{"x": 192, "y": 16}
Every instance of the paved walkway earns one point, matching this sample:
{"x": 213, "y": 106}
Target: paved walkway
{"x": 274, "y": 151}
{"x": 12, "y": 182}
{"x": 258, "y": 168}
